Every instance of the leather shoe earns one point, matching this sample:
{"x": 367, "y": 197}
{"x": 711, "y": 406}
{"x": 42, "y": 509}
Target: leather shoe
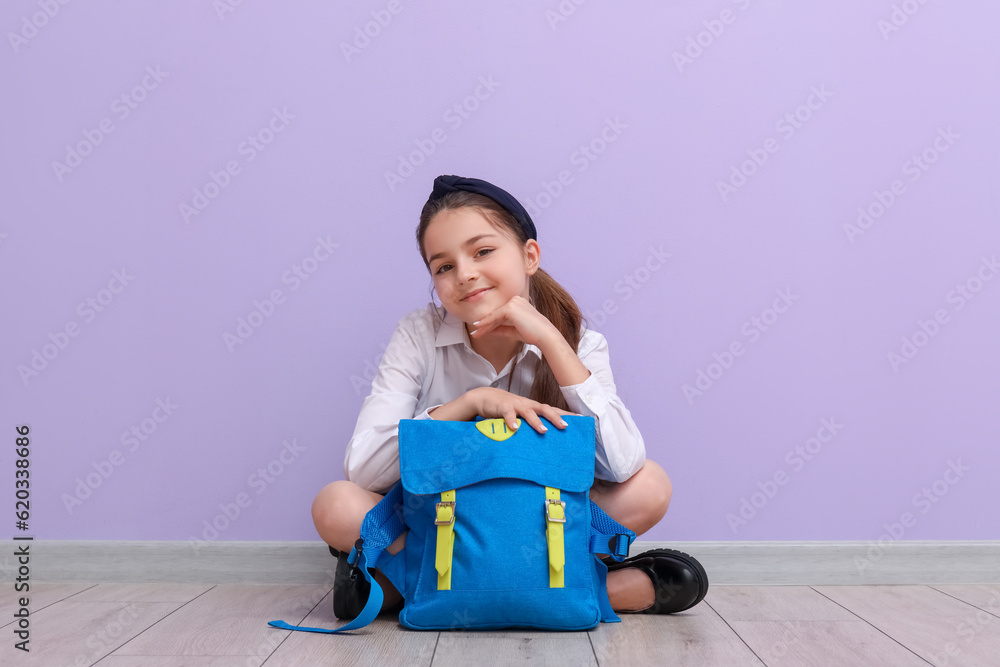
{"x": 679, "y": 581}
{"x": 350, "y": 588}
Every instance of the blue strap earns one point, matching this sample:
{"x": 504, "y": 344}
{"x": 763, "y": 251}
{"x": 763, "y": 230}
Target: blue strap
{"x": 380, "y": 528}
{"x": 367, "y": 615}
{"x": 607, "y": 536}
{"x": 608, "y": 614}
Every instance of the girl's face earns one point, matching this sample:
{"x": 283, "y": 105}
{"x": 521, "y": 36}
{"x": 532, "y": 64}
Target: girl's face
{"x": 476, "y": 268}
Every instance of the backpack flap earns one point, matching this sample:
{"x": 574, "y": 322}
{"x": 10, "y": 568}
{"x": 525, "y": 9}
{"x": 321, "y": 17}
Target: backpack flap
{"x": 438, "y": 456}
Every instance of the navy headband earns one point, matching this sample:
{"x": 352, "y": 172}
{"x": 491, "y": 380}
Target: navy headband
{"x": 447, "y": 184}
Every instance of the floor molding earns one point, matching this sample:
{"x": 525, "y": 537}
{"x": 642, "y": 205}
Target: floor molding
{"x": 727, "y": 563}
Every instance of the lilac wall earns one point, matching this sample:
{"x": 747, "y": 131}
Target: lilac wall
{"x": 696, "y": 170}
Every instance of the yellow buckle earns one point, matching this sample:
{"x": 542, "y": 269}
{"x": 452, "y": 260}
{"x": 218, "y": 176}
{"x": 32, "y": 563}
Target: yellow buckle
{"x": 559, "y": 506}
{"x": 447, "y": 517}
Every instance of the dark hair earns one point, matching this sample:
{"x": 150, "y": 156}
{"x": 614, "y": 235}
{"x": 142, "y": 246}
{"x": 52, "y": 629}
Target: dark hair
{"x": 547, "y": 296}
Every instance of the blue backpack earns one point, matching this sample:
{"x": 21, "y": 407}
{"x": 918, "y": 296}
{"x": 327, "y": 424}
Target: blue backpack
{"x": 502, "y": 532}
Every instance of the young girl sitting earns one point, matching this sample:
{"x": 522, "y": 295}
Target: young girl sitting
{"x": 506, "y": 342}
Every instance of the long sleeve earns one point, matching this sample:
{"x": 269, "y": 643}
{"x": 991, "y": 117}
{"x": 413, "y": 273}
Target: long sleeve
{"x": 621, "y": 451}
{"x": 372, "y": 457}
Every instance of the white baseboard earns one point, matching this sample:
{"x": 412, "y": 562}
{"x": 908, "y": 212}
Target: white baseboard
{"x": 727, "y": 563}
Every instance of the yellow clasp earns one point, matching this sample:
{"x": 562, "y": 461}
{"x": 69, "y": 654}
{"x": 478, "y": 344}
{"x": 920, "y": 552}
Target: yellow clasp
{"x": 496, "y": 429}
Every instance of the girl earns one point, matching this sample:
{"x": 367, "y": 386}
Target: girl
{"x": 506, "y": 342}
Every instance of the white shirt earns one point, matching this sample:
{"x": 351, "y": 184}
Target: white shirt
{"x": 430, "y": 362}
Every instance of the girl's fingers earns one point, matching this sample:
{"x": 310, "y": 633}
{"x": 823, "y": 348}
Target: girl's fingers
{"x": 530, "y": 412}
{"x": 504, "y": 316}
{"x": 531, "y": 417}
{"x": 483, "y": 326}
{"x": 490, "y": 320}
{"x": 554, "y": 415}
{"x": 510, "y": 416}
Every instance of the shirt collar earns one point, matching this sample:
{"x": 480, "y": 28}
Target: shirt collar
{"x": 452, "y": 332}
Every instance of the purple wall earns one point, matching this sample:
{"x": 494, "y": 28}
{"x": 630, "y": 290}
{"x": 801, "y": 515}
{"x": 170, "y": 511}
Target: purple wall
{"x": 783, "y": 216}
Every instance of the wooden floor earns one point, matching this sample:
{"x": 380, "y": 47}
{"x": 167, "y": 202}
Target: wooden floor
{"x": 139, "y": 625}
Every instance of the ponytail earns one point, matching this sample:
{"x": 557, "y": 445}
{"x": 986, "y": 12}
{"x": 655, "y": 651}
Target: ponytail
{"x": 555, "y": 303}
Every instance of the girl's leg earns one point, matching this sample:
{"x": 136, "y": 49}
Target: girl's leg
{"x": 638, "y": 503}
{"x": 338, "y": 510}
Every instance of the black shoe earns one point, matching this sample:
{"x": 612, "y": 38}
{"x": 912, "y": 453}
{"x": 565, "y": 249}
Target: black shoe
{"x": 350, "y": 588}
{"x": 679, "y": 581}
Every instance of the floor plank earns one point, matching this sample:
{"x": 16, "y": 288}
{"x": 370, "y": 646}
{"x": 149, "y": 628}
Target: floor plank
{"x": 176, "y": 661}
{"x": 930, "y": 623}
{"x": 228, "y": 620}
{"x": 775, "y": 603}
{"x": 384, "y": 642}
{"x": 142, "y": 592}
{"x": 81, "y": 633}
{"x": 822, "y": 643}
{"x": 697, "y": 637}
{"x": 505, "y": 648}
{"x": 986, "y": 597}
{"x": 39, "y": 596}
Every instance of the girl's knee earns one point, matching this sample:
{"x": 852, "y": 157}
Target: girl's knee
{"x": 656, "y": 490}
{"x": 338, "y": 511}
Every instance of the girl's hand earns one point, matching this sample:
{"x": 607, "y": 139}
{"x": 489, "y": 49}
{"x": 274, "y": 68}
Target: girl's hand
{"x": 519, "y": 320}
{"x": 490, "y": 403}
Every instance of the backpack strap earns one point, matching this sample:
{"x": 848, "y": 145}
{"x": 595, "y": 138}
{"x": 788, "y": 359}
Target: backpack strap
{"x": 444, "y": 513}
{"x": 555, "y": 517}
{"x": 380, "y": 528}
{"x": 607, "y": 536}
